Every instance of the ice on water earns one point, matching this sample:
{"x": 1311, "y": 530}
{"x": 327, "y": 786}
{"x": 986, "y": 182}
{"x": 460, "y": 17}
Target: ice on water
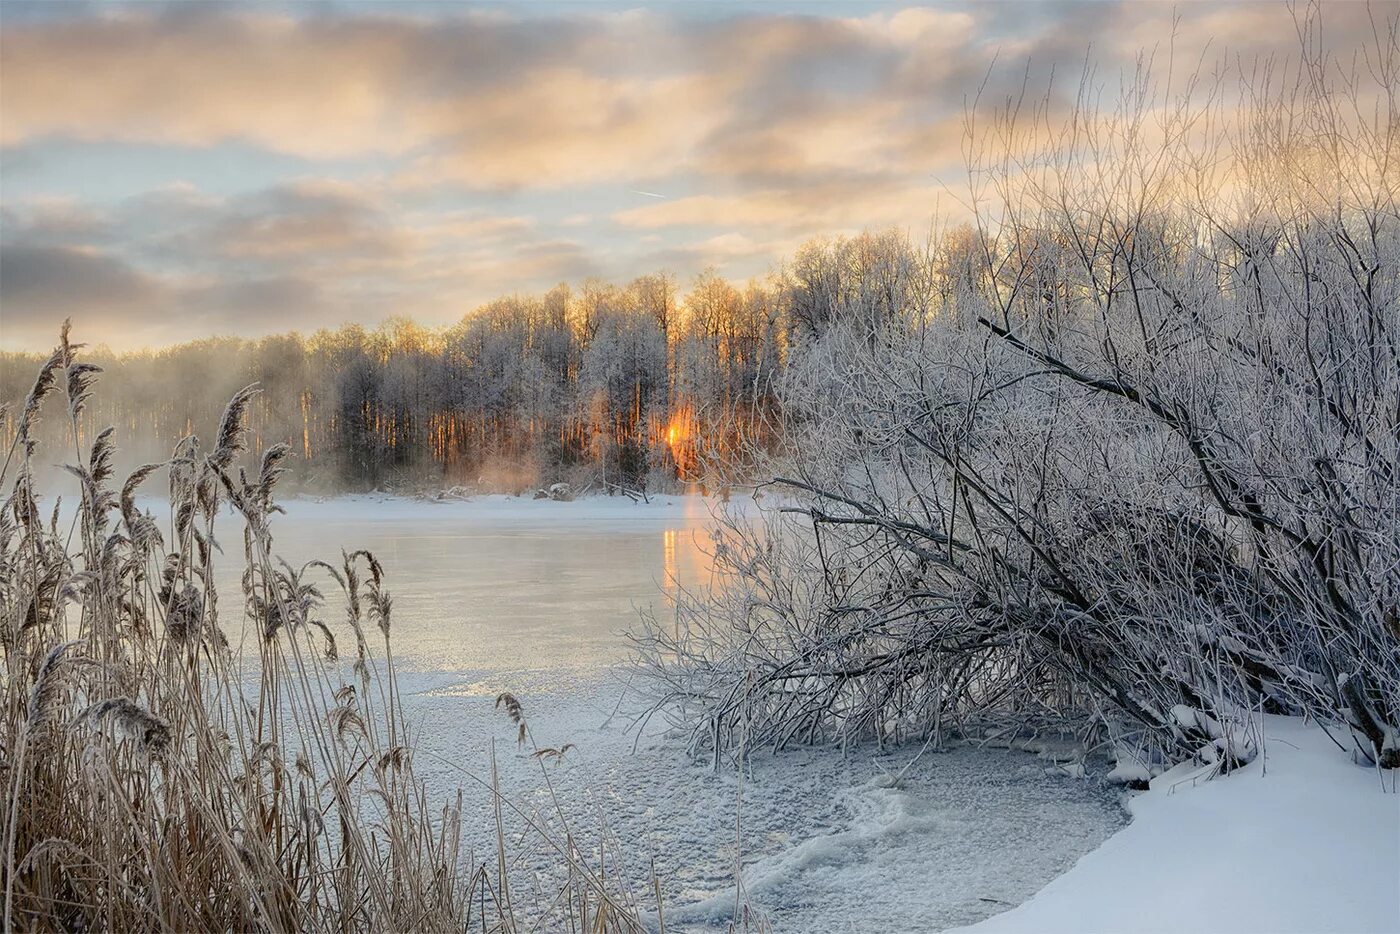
{"x": 512, "y": 595}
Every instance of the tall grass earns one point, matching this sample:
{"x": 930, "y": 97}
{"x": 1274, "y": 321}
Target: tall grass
{"x": 157, "y": 779}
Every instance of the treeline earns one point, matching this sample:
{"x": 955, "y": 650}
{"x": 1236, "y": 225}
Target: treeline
{"x": 629, "y": 386}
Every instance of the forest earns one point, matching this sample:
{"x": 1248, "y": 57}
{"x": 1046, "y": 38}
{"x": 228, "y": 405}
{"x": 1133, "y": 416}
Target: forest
{"x": 612, "y": 387}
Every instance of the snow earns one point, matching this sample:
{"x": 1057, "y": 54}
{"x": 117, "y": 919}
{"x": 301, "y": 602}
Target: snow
{"x": 1300, "y": 840}
{"x": 503, "y": 593}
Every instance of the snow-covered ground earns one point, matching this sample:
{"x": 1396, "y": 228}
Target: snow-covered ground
{"x": 510, "y": 594}
{"x": 1300, "y": 840}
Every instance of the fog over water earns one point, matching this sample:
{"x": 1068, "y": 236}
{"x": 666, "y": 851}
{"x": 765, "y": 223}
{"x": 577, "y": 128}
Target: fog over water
{"x": 504, "y": 585}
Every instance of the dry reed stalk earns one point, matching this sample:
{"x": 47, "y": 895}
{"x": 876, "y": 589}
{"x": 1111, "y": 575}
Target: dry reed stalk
{"x": 208, "y": 791}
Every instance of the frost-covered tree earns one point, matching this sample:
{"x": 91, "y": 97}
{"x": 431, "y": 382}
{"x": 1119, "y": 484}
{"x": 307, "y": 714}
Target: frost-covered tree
{"x": 1120, "y": 457}
{"x": 593, "y": 384}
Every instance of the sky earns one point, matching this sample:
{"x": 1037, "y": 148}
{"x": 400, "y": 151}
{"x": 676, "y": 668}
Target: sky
{"x": 175, "y": 171}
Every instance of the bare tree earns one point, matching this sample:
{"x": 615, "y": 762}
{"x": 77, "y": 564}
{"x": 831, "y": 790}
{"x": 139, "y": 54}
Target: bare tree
{"x": 1121, "y": 457}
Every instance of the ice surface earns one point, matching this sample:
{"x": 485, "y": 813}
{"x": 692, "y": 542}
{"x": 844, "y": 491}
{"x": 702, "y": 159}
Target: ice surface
{"x": 823, "y": 843}
{"x": 510, "y": 594}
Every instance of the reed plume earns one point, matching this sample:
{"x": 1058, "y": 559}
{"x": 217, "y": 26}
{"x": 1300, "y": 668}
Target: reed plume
{"x": 267, "y": 791}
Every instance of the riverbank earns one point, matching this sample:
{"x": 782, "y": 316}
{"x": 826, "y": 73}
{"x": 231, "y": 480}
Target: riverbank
{"x": 503, "y": 507}
{"x": 1300, "y": 841}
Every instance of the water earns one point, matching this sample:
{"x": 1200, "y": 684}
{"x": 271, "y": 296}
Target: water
{"x": 534, "y": 598}
{"x": 506, "y": 586}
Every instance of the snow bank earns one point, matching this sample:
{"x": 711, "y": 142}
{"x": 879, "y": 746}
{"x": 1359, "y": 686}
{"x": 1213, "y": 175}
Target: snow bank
{"x": 1300, "y": 840}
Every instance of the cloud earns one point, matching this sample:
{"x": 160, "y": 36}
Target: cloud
{"x": 838, "y": 206}
{"x": 50, "y": 280}
{"x": 270, "y": 301}
{"x": 303, "y": 223}
{"x": 478, "y": 98}
{"x": 41, "y": 285}
{"x": 57, "y": 221}
{"x": 421, "y": 162}
{"x": 177, "y": 264}
{"x": 567, "y": 127}
{"x": 494, "y": 101}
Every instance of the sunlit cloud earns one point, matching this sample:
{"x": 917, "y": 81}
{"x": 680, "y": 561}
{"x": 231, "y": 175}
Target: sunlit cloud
{"x": 359, "y": 162}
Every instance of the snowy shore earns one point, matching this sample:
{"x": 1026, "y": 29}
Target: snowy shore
{"x": 1299, "y": 841}
{"x": 496, "y": 507}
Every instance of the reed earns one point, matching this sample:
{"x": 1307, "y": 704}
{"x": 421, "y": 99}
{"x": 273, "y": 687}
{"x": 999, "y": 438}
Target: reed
{"x": 156, "y": 777}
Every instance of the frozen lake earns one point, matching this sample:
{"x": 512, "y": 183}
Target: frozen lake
{"x": 533, "y": 598}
